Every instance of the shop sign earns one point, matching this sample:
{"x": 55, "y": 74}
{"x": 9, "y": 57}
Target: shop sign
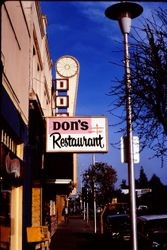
{"x": 77, "y": 134}
{"x": 11, "y": 167}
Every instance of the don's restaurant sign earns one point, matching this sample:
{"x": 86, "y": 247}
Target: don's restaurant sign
{"x": 77, "y": 134}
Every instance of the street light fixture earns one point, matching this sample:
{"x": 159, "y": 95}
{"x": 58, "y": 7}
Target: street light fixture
{"x": 94, "y": 195}
{"x": 94, "y": 204}
{"x": 93, "y": 188}
{"x": 123, "y": 12}
{"x": 87, "y": 199}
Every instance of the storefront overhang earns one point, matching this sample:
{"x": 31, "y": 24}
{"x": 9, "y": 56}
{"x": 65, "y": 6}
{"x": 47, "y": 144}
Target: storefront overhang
{"x": 58, "y": 181}
{"x": 11, "y": 119}
{"x": 58, "y": 173}
{"x": 58, "y": 166}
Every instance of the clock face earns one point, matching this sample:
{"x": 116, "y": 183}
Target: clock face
{"x": 67, "y": 66}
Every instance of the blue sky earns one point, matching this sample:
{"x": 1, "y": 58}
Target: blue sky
{"x": 80, "y": 29}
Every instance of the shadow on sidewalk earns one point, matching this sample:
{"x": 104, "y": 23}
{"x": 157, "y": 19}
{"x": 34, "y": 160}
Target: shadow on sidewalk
{"x": 78, "y": 235}
{"x": 75, "y": 235}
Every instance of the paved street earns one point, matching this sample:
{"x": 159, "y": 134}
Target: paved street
{"x": 78, "y": 235}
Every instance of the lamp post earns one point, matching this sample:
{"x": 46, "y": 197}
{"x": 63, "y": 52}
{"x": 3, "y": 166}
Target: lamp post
{"x": 94, "y": 196}
{"x": 94, "y": 205}
{"x": 123, "y": 12}
{"x": 87, "y": 206}
{"x": 87, "y": 199}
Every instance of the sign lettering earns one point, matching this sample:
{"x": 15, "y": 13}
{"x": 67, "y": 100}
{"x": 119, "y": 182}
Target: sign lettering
{"x": 73, "y": 134}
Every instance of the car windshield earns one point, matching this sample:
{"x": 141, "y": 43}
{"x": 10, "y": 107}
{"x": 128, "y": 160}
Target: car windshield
{"x": 118, "y": 221}
{"x": 157, "y": 225}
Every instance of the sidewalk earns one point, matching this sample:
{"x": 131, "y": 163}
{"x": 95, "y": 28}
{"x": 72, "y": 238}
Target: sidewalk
{"x": 76, "y": 235}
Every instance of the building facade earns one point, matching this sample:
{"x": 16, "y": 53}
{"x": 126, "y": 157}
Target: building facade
{"x": 14, "y": 120}
{"x": 26, "y": 98}
{"x": 28, "y": 95}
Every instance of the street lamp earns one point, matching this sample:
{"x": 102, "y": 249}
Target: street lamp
{"x": 93, "y": 188}
{"x": 87, "y": 199}
{"x": 123, "y": 12}
{"x": 94, "y": 195}
{"x": 94, "y": 204}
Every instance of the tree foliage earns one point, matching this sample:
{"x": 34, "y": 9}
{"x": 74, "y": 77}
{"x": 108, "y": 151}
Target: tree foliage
{"x": 148, "y": 62}
{"x": 153, "y": 199}
{"x": 100, "y": 177}
{"x": 142, "y": 182}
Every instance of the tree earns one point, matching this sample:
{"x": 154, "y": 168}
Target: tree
{"x": 158, "y": 195}
{"x": 123, "y": 185}
{"x": 154, "y": 199}
{"x": 100, "y": 178}
{"x": 155, "y": 184}
{"x": 142, "y": 182}
{"x": 148, "y": 59}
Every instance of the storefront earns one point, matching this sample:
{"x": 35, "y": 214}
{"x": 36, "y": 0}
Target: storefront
{"x": 13, "y": 132}
{"x": 10, "y": 197}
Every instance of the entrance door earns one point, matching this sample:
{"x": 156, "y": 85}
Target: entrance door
{"x": 5, "y": 219}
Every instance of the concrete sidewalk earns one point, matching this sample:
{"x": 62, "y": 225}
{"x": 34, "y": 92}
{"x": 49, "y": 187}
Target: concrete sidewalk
{"x": 77, "y": 234}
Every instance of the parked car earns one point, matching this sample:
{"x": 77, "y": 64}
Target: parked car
{"x": 152, "y": 232}
{"x": 117, "y": 226}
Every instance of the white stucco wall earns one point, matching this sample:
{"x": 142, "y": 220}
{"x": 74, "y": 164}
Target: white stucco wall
{"x": 15, "y": 49}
